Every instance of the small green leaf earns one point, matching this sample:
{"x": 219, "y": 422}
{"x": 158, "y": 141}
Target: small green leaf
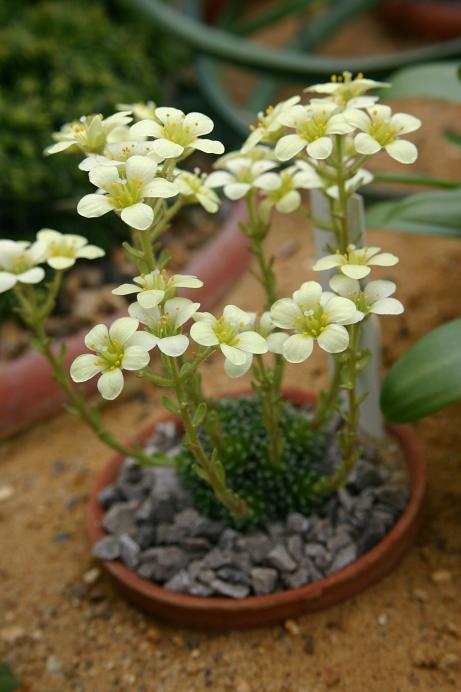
{"x": 426, "y": 213}
{"x": 453, "y": 137}
{"x": 426, "y": 378}
{"x": 438, "y": 80}
{"x": 170, "y": 405}
{"x": 8, "y": 682}
{"x": 199, "y": 414}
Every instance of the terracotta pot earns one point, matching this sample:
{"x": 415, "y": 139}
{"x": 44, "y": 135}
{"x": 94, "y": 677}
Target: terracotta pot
{"x": 27, "y": 391}
{"x": 436, "y": 19}
{"x": 255, "y": 611}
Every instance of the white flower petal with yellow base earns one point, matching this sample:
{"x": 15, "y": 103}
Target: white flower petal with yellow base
{"x": 94, "y": 205}
{"x": 17, "y": 263}
{"x": 85, "y": 367}
{"x": 252, "y": 342}
{"x": 235, "y": 371}
{"x": 174, "y": 346}
{"x": 203, "y": 333}
{"x": 139, "y": 216}
{"x": 122, "y": 329}
{"x": 233, "y": 354}
{"x": 135, "y": 357}
{"x": 110, "y": 384}
{"x": 64, "y": 249}
{"x": 298, "y": 348}
{"x": 334, "y": 338}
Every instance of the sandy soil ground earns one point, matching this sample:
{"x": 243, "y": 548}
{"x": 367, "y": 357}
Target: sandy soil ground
{"x": 64, "y": 627}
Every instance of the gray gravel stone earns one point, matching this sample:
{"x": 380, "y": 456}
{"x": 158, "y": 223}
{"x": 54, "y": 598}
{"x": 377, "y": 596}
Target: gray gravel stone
{"x": 295, "y": 546}
{"x": 364, "y": 475}
{"x": 280, "y": 558}
{"x": 234, "y": 575}
{"x": 300, "y": 577}
{"x": 297, "y": 523}
{"x": 130, "y": 552}
{"x": 395, "y": 496}
{"x": 199, "y": 589}
{"x": 107, "y": 548}
{"x": 218, "y": 558}
{"x": 263, "y": 580}
{"x": 228, "y": 538}
{"x": 109, "y": 495}
{"x": 168, "y": 534}
{"x": 145, "y": 535}
{"x": 161, "y": 563}
{"x": 195, "y": 545}
{"x": 343, "y": 557}
{"x": 257, "y": 545}
{"x": 179, "y": 582}
{"x": 223, "y": 588}
{"x": 120, "y": 518}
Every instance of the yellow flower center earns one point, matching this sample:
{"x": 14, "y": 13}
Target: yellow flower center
{"x": 313, "y": 128}
{"x": 382, "y": 131}
{"x": 226, "y": 333}
{"x": 125, "y": 194}
{"x": 311, "y": 323}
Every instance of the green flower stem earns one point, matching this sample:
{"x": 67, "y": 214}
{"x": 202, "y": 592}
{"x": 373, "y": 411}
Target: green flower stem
{"x": 268, "y": 388}
{"x": 209, "y": 469}
{"x": 330, "y": 400}
{"x": 34, "y": 316}
{"x": 148, "y": 251}
{"x": 167, "y": 216}
{"x": 257, "y": 231}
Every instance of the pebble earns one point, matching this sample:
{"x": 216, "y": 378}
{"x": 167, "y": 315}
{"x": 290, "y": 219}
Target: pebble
{"x": 383, "y": 619}
{"x": 292, "y": 627}
{"x": 441, "y": 576}
{"x": 6, "y": 492}
{"x": 155, "y": 531}
{"x": 92, "y": 576}
{"x": 54, "y": 665}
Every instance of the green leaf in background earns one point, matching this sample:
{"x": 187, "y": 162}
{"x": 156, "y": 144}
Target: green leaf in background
{"x": 8, "y": 682}
{"x": 426, "y": 378}
{"x": 425, "y": 213}
{"x": 453, "y": 137}
{"x": 438, "y": 80}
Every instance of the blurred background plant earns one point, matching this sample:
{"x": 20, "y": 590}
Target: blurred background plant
{"x": 58, "y": 59}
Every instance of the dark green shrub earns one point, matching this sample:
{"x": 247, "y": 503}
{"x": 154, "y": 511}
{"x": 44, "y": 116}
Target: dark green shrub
{"x": 270, "y": 492}
{"x": 60, "y": 60}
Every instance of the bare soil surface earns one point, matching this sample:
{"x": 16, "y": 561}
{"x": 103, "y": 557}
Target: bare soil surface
{"x": 63, "y": 626}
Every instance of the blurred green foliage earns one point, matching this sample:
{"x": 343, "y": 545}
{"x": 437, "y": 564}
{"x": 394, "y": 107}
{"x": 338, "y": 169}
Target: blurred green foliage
{"x": 59, "y": 60}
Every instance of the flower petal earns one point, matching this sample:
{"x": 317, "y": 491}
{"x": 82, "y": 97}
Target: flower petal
{"x": 308, "y": 294}
{"x": 377, "y": 290}
{"x": 85, "y": 367}
{"x": 150, "y": 299}
{"x": 235, "y": 371}
{"x": 345, "y": 286}
{"x": 160, "y": 188}
{"x": 97, "y": 337}
{"x": 209, "y": 146}
{"x": 387, "y": 306}
{"x": 122, "y": 329}
{"x": 334, "y": 338}
{"x": 340, "y": 310}
{"x": 126, "y": 290}
{"x": 139, "y": 216}
{"x": 135, "y": 358}
{"x": 32, "y": 276}
{"x": 199, "y": 123}
{"x": 174, "y": 345}
{"x": 145, "y": 340}
{"x": 289, "y": 146}
{"x": 94, "y": 205}
{"x": 140, "y": 167}
{"x": 297, "y": 348}
{"x": 328, "y": 262}
{"x": 355, "y": 271}
{"x": 252, "y": 342}
{"x": 233, "y": 354}
{"x": 7, "y": 281}
{"x": 384, "y": 259}
{"x": 180, "y": 310}
{"x": 61, "y": 263}
{"x": 402, "y": 151}
{"x": 104, "y": 176}
{"x": 284, "y": 312}
{"x": 167, "y": 149}
{"x": 203, "y": 333}
{"x": 365, "y": 144}
{"x": 236, "y": 191}
{"x": 110, "y": 384}
{"x": 275, "y": 341}
{"x": 90, "y": 252}
{"x": 320, "y": 148}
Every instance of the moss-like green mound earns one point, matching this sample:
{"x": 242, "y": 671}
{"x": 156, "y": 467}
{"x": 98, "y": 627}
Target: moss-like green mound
{"x": 270, "y": 492}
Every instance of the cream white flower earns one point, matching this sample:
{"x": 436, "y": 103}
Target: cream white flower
{"x": 153, "y": 288}
{"x": 231, "y": 333}
{"x": 121, "y": 347}
{"x": 89, "y": 134}
{"x": 63, "y": 249}
{"x": 258, "y": 153}
{"x": 356, "y": 262}
{"x": 117, "y": 154}
{"x": 360, "y": 178}
{"x": 285, "y": 197}
{"x": 314, "y": 315}
{"x": 195, "y": 188}
{"x": 347, "y": 91}
{"x": 382, "y": 130}
{"x": 141, "y": 110}
{"x": 175, "y": 132}
{"x": 314, "y": 125}
{"x": 375, "y": 297}
{"x": 18, "y": 263}
{"x": 269, "y": 128}
{"x": 126, "y": 194}
{"x": 242, "y": 175}
{"x": 165, "y": 324}
{"x": 265, "y": 326}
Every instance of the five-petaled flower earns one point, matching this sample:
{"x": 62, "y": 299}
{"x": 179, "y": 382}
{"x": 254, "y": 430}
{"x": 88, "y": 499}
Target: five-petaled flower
{"x": 314, "y": 125}
{"x": 269, "y": 129}
{"x": 356, "y": 262}
{"x": 89, "y": 134}
{"x": 117, "y": 154}
{"x": 283, "y": 193}
{"x": 346, "y": 91}
{"x": 242, "y": 175}
{"x": 195, "y": 188}
{"x": 126, "y": 195}
{"x": 63, "y": 249}
{"x": 314, "y": 315}
{"x": 232, "y": 333}
{"x": 18, "y": 263}
{"x": 175, "y": 132}
{"x": 121, "y": 347}
{"x": 165, "y": 324}
{"x": 157, "y": 286}
{"x": 374, "y": 298}
{"x": 382, "y": 130}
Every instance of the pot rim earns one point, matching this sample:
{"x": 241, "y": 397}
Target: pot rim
{"x": 406, "y": 524}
